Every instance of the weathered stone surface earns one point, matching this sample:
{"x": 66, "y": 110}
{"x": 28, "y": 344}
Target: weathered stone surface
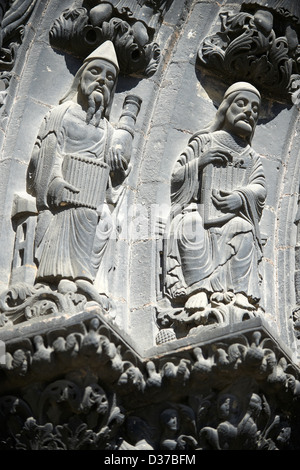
{"x": 95, "y": 350}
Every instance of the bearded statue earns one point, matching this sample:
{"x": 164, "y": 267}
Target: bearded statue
{"x": 76, "y": 172}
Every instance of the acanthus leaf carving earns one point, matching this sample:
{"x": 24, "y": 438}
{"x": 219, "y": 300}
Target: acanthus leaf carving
{"x": 218, "y": 192}
{"x": 12, "y": 30}
{"x": 22, "y": 302}
{"x": 13, "y": 20}
{"x": 248, "y": 48}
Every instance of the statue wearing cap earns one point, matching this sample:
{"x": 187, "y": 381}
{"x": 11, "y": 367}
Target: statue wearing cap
{"x": 218, "y": 191}
{"x": 77, "y": 167}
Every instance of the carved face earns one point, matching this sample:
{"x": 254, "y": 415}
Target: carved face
{"x": 242, "y": 114}
{"x": 227, "y": 406}
{"x": 284, "y": 435}
{"x": 98, "y": 79}
{"x": 170, "y": 419}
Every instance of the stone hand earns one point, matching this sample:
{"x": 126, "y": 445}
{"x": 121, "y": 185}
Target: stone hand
{"x": 56, "y": 192}
{"x": 116, "y": 159}
{"x": 214, "y": 156}
{"x": 227, "y": 202}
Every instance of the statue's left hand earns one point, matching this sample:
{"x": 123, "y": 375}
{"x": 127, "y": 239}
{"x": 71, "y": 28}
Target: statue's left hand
{"x": 116, "y": 159}
{"x": 227, "y": 202}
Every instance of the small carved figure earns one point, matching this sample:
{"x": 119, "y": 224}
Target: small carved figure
{"x": 78, "y": 164}
{"x": 225, "y": 435}
{"x": 218, "y": 191}
{"x": 248, "y": 432}
{"x": 170, "y": 423}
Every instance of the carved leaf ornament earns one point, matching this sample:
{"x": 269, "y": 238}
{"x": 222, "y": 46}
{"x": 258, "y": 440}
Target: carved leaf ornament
{"x": 82, "y": 413}
{"x": 248, "y": 48}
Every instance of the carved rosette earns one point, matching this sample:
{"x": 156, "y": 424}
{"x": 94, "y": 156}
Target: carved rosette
{"x": 93, "y": 391}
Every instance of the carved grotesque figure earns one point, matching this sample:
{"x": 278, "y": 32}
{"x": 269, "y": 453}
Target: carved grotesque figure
{"x": 77, "y": 166}
{"x": 218, "y": 192}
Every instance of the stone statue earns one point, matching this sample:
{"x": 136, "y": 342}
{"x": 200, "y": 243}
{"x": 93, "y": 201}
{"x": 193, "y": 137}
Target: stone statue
{"x": 170, "y": 423}
{"x": 218, "y": 191}
{"x": 78, "y": 164}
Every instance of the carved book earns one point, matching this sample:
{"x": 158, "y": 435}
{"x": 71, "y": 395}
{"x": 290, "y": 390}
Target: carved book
{"x": 89, "y": 176}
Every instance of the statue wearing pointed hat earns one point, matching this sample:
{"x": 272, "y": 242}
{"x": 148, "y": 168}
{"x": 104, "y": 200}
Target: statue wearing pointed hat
{"x": 77, "y": 167}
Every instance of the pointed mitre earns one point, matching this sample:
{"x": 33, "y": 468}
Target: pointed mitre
{"x": 105, "y": 51}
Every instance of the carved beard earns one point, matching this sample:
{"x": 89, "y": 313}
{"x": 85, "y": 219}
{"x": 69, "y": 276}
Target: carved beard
{"x": 97, "y": 102}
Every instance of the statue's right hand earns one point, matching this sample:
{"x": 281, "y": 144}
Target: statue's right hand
{"x": 56, "y": 192}
{"x": 214, "y": 155}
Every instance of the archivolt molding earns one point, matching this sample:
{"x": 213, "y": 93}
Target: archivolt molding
{"x": 260, "y": 46}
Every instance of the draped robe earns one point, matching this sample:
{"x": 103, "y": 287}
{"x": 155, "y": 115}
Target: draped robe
{"x": 69, "y": 241}
{"x": 218, "y": 257}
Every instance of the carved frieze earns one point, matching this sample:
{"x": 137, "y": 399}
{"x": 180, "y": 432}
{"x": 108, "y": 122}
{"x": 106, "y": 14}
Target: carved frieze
{"x": 243, "y": 377}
